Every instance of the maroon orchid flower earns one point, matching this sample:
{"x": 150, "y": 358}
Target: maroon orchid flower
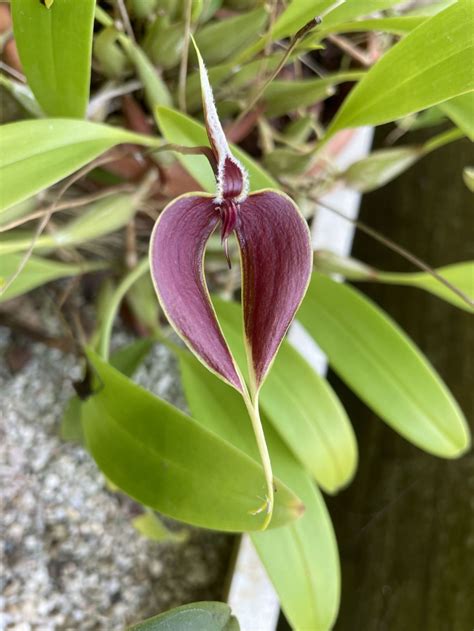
{"x": 276, "y": 260}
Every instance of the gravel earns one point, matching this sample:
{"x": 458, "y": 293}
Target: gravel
{"x": 71, "y": 557}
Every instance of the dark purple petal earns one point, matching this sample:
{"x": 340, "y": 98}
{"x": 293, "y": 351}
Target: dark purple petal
{"x": 277, "y": 259}
{"x": 177, "y": 250}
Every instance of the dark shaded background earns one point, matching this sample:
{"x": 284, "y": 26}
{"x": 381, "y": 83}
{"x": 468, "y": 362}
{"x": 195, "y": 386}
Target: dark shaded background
{"x": 405, "y": 526}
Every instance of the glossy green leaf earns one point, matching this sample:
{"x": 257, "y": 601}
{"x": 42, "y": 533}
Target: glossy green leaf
{"x": 302, "y": 408}
{"x": 38, "y": 153}
{"x": 96, "y": 220}
{"x": 181, "y": 129}
{"x": 282, "y": 97}
{"x": 383, "y": 367}
{"x": 150, "y": 526}
{"x": 351, "y": 9}
{"x": 237, "y": 32}
{"x": 167, "y": 461}
{"x": 204, "y": 616}
{"x": 37, "y": 272}
{"x": 436, "y": 60}
{"x": 55, "y": 47}
{"x": 126, "y": 359}
{"x": 301, "y": 559}
{"x": 461, "y": 111}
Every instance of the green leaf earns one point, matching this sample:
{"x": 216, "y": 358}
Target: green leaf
{"x": 237, "y": 32}
{"x": 167, "y": 461}
{"x": 126, "y": 359}
{"x": 22, "y": 94}
{"x": 435, "y": 60}
{"x": 383, "y": 367}
{"x": 301, "y": 559}
{"x": 282, "y": 97}
{"x": 181, "y": 129}
{"x": 37, "y": 272}
{"x": 96, "y": 220}
{"x": 461, "y": 111}
{"x": 302, "y": 408}
{"x": 296, "y": 15}
{"x": 352, "y": 9}
{"x": 380, "y": 167}
{"x": 204, "y": 616}
{"x": 150, "y": 526}
{"x": 55, "y": 47}
{"x": 38, "y": 153}
{"x": 461, "y": 275}
{"x": 398, "y": 25}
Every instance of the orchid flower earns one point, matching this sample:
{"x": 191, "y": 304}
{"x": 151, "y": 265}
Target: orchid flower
{"x": 276, "y": 260}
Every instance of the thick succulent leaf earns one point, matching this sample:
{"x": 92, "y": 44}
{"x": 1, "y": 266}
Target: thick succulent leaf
{"x": 203, "y": 616}
{"x": 55, "y": 47}
{"x": 302, "y": 408}
{"x": 177, "y": 250}
{"x": 276, "y": 257}
{"x": 436, "y": 60}
{"x": 37, "y": 272}
{"x": 383, "y": 366}
{"x": 167, "y": 461}
{"x": 183, "y": 130}
{"x": 301, "y": 559}
{"x": 38, "y": 153}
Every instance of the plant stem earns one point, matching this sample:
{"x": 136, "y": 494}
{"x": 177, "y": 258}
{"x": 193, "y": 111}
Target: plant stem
{"x": 267, "y": 506}
{"x": 116, "y": 299}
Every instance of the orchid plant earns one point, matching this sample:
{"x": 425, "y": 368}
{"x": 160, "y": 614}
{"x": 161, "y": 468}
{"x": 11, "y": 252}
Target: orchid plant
{"x": 276, "y": 259}
{"x": 202, "y": 468}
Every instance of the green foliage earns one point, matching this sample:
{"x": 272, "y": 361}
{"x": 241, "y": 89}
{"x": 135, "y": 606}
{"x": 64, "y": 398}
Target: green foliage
{"x": 460, "y": 110}
{"x": 383, "y": 367}
{"x": 301, "y": 559}
{"x": 181, "y": 129}
{"x": 205, "y": 616}
{"x": 435, "y": 58}
{"x": 55, "y": 47}
{"x": 37, "y": 271}
{"x": 138, "y": 442}
{"x": 49, "y": 150}
{"x": 301, "y": 407}
{"x": 96, "y": 220}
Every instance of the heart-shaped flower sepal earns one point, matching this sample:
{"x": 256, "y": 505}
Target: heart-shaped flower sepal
{"x": 276, "y": 261}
